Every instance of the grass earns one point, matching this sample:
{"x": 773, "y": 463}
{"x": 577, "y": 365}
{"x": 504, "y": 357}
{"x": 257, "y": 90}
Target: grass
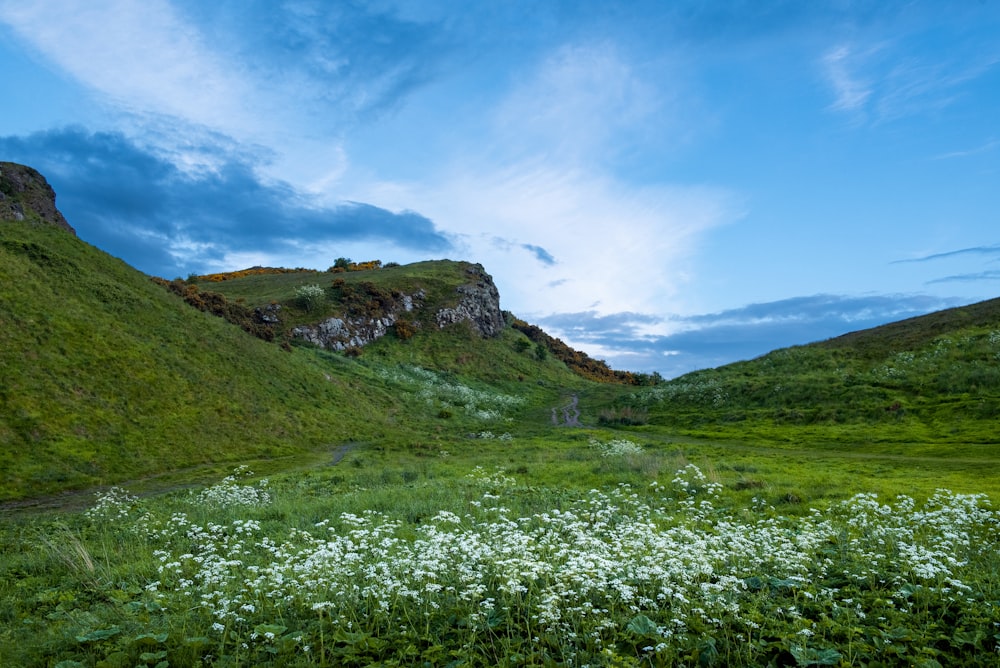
{"x": 583, "y": 546}
{"x": 860, "y": 388}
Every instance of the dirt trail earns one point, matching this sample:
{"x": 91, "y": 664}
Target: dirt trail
{"x": 570, "y": 413}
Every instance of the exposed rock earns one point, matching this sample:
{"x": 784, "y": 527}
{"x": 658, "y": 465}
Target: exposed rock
{"x": 356, "y": 332}
{"x": 268, "y": 315}
{"x": 479, "y": 304}
{"x": 26, "y": 195}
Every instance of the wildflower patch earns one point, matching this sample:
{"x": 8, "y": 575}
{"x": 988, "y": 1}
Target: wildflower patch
{"x": 667, "y": 577}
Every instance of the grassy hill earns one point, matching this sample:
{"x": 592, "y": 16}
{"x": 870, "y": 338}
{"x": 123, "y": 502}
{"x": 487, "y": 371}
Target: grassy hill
{"x": 110, "y": 377}
{"x": 930, "y": 379}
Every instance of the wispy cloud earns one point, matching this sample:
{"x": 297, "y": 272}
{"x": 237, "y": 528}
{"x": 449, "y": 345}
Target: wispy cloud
{"x": 850, "y": 90}
{"x": 142, "y": 57}
{"x": 167, "y": 70}
{"x": 883, "y": 79}
{"x": 991, "y": 275}
{"x": 983, "y": 148}
{"x": 541, "y": 174}
{"x": 620, "y": 246}
{"x": 975, "y": 250}
{"x": 583, "y": 102}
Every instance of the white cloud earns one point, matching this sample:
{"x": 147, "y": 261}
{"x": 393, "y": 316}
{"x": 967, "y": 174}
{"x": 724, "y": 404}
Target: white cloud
{"x": 886, "y": 80}
{"x": 580, "y": 101}
{"x": 617, "y": 247}
{"x": 851, "y": 91}
{"x": 541, "y": 178}
{"x": 143, "y": 56}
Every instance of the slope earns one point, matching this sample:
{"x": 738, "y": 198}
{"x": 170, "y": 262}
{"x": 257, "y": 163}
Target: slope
{"x": 108, "y": 377}
{"x": 931, "y": 379}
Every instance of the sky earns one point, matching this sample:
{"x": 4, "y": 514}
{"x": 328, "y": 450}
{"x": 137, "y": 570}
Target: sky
{"x": 667, "y": 186}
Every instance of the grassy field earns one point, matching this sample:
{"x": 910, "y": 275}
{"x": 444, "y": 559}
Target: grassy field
{"x": 572, "y": 547}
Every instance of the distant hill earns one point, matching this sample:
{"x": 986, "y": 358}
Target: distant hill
{"x": 933, "y": 378}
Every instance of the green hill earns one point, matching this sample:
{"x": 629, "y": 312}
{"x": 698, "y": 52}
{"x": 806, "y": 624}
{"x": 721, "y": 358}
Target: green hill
{"x": 930, "y": 379}
{"x": 110, "y": 377}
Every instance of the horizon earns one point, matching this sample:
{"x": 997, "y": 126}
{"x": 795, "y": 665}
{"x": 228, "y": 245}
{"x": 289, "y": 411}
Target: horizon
{"x": 665, "y": 188}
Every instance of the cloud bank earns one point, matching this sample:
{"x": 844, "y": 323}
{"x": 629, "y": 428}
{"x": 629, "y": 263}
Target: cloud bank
{"x": 132, "y": 202}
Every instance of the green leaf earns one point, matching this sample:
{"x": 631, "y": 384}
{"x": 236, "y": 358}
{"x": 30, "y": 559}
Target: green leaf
{"x": 964, "y": 637}
{"x": 807, "y": 656}
{"x": 147, "y": 657}
{"x": 273, "y": 629}
{"x": 782, "y": 583}
{"x": 641, "y": 625}
{"x": 150, "y": 639}
{"x": 69, "y": 664}
{"x": 708, "y": 654}
{"x": 927, "y": 663}
{"x": 99, "y": 634}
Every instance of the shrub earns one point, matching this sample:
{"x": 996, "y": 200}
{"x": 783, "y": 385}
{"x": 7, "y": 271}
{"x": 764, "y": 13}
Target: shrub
{"x": 309, "y": 297}
{"x": 626, "y": 416}
{"x": 404, "y": 329}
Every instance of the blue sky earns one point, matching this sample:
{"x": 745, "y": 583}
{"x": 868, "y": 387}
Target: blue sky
{"x": 665, "y": 185}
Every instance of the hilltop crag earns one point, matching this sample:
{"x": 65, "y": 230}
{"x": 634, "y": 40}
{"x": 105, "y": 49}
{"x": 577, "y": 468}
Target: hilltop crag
{"x": 26, "y": 195}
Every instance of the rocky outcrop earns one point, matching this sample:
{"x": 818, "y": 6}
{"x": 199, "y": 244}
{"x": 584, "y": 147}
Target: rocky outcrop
{"x": 26, "y": 195}
{"x": 478, "y": 304}
{"x": 357, "y": 331}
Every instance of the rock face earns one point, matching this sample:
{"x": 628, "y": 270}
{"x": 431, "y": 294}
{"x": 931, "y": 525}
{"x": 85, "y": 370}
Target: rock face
{"x": 26, "y": 195}
{"x": 355, "y": 332}
{"x": 479, "y": 304}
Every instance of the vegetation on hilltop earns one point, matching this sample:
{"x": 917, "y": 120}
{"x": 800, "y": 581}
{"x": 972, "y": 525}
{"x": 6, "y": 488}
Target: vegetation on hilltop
{"x": 580, "y": 362}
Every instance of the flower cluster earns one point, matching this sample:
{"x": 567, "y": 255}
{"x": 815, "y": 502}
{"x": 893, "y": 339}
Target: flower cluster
{"x": 495, "y": 479}
{"x": 617, "y": 447}
{"x": 229, "y": 493}
{"x": 433, "y": 389}
{"x": 113, "y": 504}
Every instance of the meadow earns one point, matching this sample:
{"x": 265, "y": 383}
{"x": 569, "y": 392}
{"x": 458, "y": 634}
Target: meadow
{"x": 508, "y": 541}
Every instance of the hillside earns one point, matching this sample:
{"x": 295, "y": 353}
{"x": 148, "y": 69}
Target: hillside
{"x": 934, "y": 378}
{"x": 110, "y": 377}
